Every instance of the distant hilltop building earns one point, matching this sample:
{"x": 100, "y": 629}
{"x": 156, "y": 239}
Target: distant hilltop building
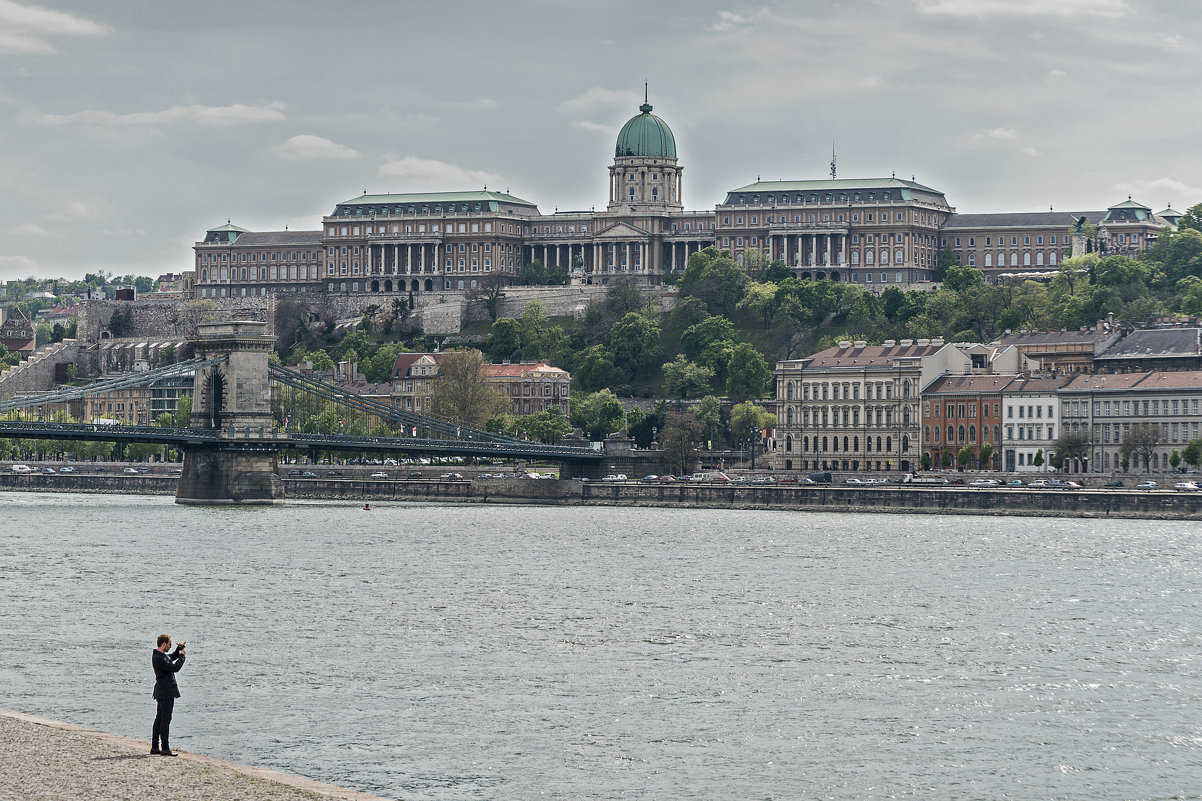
{"x": 877, "y": 232}
{"x": 17, "y": 332}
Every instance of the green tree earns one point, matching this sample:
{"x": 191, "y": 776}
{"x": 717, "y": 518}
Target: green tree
{"x": 596, "y": 369}
{"x": 1192, "y": 219}
{"x": 926, "y": 460}
{"x": 946, "y": 459}
{"x": 635, "y": 341}
{"x": 1192, "y": 452}
{"x": 715, "y": 278}
{"x": 747, "y": 422}
{"x": 960, "y": 278}
{"x": 504, "y": 341}
{"x": 599, "y": 414}
{"x": 1038, "y": 461}
{"x": 709, "y": 413}
{"x": 460, "y": 393}
{"x": 541, "y": 338}
{"x": 684, "y": 379}
{"x": 747, "y": 373}
{"x": 946, "y": 258}
{"x": 986, "y": 456}
{"x": 1175, "y": 458}
{"x": 759, "y": 301}
{"x": 321, "y": 360}
{"x": 696, "y": 339}
{"x": 964, "y": 457}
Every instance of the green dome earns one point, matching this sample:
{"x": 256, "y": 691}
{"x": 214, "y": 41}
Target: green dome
{"x": 646, "y": 135}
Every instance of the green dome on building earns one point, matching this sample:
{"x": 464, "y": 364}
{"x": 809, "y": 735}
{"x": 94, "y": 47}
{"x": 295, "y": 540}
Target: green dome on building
{"x": 646, "y": 135}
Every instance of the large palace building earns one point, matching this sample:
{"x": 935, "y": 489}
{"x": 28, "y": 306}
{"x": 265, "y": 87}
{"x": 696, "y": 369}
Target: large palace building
{"x": 877, "y": 232}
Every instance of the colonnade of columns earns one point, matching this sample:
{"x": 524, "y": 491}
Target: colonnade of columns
{"x": 809, "y": 250}
{"x": 422, "y": 257}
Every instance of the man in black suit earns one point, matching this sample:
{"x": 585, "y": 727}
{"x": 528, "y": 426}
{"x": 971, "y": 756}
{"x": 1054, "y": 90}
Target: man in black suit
{"x": 165, "y": 691}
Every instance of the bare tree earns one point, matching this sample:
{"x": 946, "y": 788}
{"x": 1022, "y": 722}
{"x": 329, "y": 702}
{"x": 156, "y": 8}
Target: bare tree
{"x": 1140, "y": 441}
{"x": 460, "y": 394}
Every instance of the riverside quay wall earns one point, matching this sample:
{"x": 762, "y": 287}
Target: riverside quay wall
{"x": 897, "y": 499}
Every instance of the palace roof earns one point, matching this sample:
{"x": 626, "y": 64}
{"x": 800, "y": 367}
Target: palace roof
{"x": 435, "y": 197}
{"x": 646, "y": 135}
{"x": 838, "y": 185}
{"x": 1022, "y": 219}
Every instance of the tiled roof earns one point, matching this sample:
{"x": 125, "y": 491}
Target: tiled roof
{"x": 516, "y": 370}
{"x": 1156, "y": 343}
{"x": 434, "y": 197}
{"x": 968, "y": 384}
{"x": 1173, "y": 379}
{"x": 1060, "y": 219}
{"x": 867, "y": 356}
{"x": 1021, "y": 338}
{"x": 404, "y": 362}
{"x": 1097, "y": 382}
{"x": 273, "y": 238}
{"x": 1038, "y": 384}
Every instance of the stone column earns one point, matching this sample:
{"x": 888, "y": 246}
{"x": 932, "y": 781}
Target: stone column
{"x": 827, "y": 256}
{"x": 813, "y": 250}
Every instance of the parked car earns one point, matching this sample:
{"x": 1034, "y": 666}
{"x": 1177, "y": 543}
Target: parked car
{"x": 985, "y": 482}
{"x": 854, "y": 482}
{"x": 1040, "y": 483}
{"x": 334, "y": 473}
{"x": 49, "y": 471}
{"x": 795, "y": 480}
{"x": 451, "y": 477}
{"x": 130, "y": 471}
{"x": 21, "y": 468}
{"x": 378, "y": 474}
{"x": 1114, "y": 482}
{"x": 719, "y": 479}
{"x": 1186, "y": 486}
{"x": 175, "y": 471}
{"x": 1014, "y": 482}
{"x": 650, "y": 479}
{"x": 99, "y": 470}
{"x": 667, "y": 478}
{"x": 294, "y": 473}
{"x": 67, "y": 469}
{"x": 1147, "y": 485}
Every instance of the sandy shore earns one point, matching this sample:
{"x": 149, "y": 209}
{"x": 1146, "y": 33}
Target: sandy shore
{"x": 45, "y": 760}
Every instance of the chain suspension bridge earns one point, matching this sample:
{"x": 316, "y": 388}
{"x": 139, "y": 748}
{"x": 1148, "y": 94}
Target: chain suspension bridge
{"x": 246, "y": 411}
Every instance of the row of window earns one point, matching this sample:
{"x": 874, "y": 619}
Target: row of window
{"x": 828, "y": 197}
{"x": 960, "y": 435}
{"x": 1001, "y": 241}
{"x": 851, "y": 417}
{"x": 813, "y": 219}
{"x": 850, "y": 444}
{"x": 215, "y": 258}
{"x": 970, "y": 259}
{"x": 873, "y": 390}
{"x": 1151, "y": 408}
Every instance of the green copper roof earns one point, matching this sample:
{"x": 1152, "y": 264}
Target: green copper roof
{"x": 434, "y": 197}
{"x": 1169, "y": 212}
{"x": 834, "y": 184}
{"x": 1130, "y": 204}
{"x": 230, "y": 227}
{"x": 646, "y": 135}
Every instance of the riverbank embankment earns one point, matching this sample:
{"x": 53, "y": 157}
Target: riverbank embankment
{"x": 47, "y": 760}
{"x": 901, "y": 499}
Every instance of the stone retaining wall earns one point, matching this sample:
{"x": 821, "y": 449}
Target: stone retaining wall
{"x": 904, "y": 500}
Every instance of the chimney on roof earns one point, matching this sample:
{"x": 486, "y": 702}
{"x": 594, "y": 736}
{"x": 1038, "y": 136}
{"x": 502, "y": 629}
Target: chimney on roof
{"x": 844, "y": 344}
{"x": 889, "y": 343}
{"x": 937, "y": 341}
{"x": 860, "y": 343}
{"x": 905, "y": 343}
{"x": 922, "y": 343}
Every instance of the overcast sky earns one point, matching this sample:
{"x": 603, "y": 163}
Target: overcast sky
{"x": 131, "y": 126}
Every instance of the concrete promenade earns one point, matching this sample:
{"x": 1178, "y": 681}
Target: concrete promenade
{"x": 45, "y": 760}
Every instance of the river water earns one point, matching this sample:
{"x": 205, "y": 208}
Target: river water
{"x": 496, "y": 652}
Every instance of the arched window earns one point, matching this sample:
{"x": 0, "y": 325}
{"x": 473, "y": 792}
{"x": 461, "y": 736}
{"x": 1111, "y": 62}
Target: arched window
{"x": 878, "y": 444}
{"x": 888, "y": 444}
{"x": 224, "y": 274}
{"x": 824, "y": 444}
{"x": 844, "y": 443}
{"x": 906, "y": 389}
{"x": 1014, "y": 259}
{"x": 855, "y": 443}
{"x": 897, "y": 257}
{"x": 1039, "y": 258}
{"x": 1052, "y": 258}
{"x": 789, "y": 444}
{"x": 951, "y": 435}
{"x": 654, "y": 193}
{"x": 789, "y": 391}
{"x": 936, "y": 434}
{"x": 926, "y": 433}
{"x": 972, "y": 433}
{"x": 960, "y": 432}
{"x": 906, "y": 415}
{"x": 855, "y": 257}
{"x": 988, "y": 259}
{"x": 868, "y": 257}
{"x": 834, "y": 443}
{"x": 997, "y": 434}
{"x": 789, "y": 416}
{"x": 1027, "y": 259}
{"x": 805, "y": 444}
{"x": 204, "y": 274}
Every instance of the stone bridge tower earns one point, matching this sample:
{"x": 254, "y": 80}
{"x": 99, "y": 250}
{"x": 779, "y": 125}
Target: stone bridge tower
{"x": 233, "y": 398}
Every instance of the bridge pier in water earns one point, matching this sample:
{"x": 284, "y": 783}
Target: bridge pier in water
{"x": 234, "y": 399}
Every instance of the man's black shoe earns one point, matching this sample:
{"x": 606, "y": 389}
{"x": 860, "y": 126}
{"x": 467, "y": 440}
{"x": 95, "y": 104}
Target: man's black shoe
{"x": 155, "y": 750}
{"x": 166, "y": 753}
